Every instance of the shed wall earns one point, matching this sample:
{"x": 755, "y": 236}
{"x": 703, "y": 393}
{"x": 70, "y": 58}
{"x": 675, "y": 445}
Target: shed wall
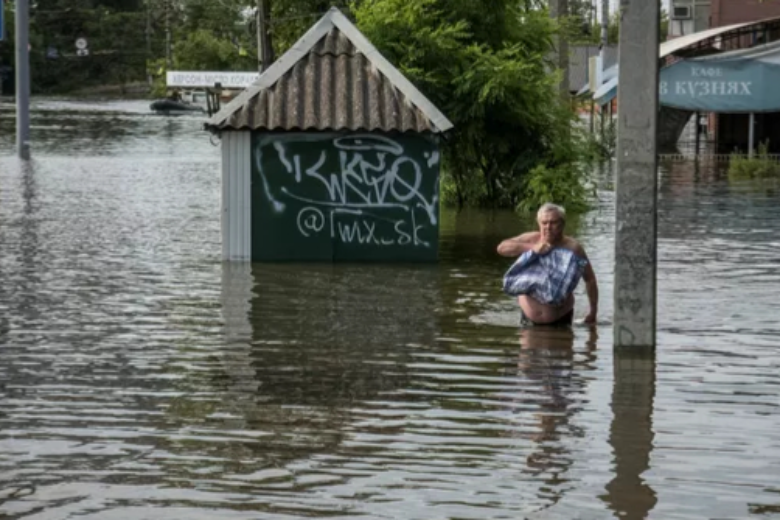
{"x": 236, "y": 195}
{"x": 351, "y": 196}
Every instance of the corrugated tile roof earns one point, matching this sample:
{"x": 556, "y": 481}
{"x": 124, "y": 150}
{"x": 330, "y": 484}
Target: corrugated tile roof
{"x": 331, "y": 79}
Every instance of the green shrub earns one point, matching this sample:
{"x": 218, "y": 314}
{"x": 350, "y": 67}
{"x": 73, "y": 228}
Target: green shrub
{"x": 760, "y": 166}
{"x": 564, "y": 185}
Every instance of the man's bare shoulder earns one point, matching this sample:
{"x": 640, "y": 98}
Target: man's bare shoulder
{"x": 573, "y": 245}
{"x": 528, "y": 236}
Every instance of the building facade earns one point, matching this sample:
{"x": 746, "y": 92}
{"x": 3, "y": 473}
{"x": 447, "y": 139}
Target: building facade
{"x": 727, "y": 12}
{"x": 730, "y": 131}
{"x": 690, "y": 16}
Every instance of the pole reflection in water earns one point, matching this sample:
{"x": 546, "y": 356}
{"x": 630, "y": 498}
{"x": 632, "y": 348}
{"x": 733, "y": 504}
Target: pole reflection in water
{"x": 631, "y": 434}
{"x": 23, "y": 289}
{"x": 549, "y": 359}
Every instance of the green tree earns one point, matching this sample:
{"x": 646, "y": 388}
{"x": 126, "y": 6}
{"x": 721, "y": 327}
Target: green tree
{"x": 7, "y": 46}
{"x": 202, "y": 50}
{"x": 292, "y": 18}
{"x": 114, "y": 29}
{"x": 581, "y": 27}
{"x": 487, "y": 67}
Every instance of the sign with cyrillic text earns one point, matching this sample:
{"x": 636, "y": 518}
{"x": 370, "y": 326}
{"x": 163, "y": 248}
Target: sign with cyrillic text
{"x": 741, "y": 86}
{"x": 201, "y": 79}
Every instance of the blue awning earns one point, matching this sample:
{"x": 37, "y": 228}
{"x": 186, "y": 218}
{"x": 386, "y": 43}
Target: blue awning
{"x": 740, "y": 81}
{"x": 606, "y": 92}
{"x": 609, "y": 73}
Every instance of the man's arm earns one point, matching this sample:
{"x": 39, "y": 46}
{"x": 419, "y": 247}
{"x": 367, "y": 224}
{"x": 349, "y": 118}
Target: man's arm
{"x": 592, "y": 288}
{"x": 591, "y": 285}
{"x": 518, "y": 245}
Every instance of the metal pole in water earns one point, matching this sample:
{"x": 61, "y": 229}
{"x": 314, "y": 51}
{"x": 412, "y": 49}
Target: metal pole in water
{"x": 751, "y": 134}
{"x": 22, "y": 79}
{"x": 636, "y": 184}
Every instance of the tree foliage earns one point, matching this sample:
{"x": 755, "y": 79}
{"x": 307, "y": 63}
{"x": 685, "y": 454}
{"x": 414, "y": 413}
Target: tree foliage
{"x": 487, "y": 67}
{"x": 486, "y": 64}
{"x": 128, "y": 39}
{"x": 583, "y": 27}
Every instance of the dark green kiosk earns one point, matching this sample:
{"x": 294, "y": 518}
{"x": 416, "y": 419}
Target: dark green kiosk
{"x": 331, "y": 155}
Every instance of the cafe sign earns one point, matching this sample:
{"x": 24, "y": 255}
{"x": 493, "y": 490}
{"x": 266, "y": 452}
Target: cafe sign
{"x": 744, "y": 85}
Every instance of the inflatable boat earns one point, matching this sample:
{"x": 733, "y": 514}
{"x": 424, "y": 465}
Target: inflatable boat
{"x": 170, "y": 106}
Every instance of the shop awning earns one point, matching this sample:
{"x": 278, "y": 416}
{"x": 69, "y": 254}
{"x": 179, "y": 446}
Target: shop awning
{"x": 666, "y": 48}
{"x": 755, "y": 66}
{"x": 740, "y": 81}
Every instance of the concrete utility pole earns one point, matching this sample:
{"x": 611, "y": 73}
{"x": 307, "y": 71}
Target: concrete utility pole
{"x": 260, "y": 28}
{"x": 148, "y": 35}
{"x": 637, "y": 164}
{"x": 23, "y": 79}
{"x": 558, "y": 9}
{"x": 604, "y": 42}
{"x": 604, "y": 23}
{"x": 168, "y": 47}
{"x": 265, "y": 52}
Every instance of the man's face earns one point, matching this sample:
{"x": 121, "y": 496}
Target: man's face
{"x": 550, "y": 226}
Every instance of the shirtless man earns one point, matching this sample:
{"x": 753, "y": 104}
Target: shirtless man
{"x": 551, "y": 219}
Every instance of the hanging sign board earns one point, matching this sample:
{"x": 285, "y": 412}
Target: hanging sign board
{"x": 2, "y": 21}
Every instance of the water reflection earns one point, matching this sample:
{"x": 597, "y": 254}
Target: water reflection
{"x": 22, "y": 290}
{"x": 305, "y": 344}
{"x": 554, "y": 370}
{"x": 331, "y": 335}
{"x": 631, "y": 435}
{"x": 62, "y": 127}
{"x": 140, "y": 377}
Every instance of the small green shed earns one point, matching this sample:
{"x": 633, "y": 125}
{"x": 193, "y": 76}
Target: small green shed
{"x": 331, "y": 155}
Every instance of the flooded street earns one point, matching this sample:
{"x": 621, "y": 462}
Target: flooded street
{"x": 142, "y": 378}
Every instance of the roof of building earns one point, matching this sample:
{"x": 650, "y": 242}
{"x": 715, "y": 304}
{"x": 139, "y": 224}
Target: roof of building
{"x": 333, "y": 79}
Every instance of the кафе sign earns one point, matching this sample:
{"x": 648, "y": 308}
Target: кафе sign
{"x": 743, "y": 85}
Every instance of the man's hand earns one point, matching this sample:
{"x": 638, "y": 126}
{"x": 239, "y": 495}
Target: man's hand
{"x": 591, "y": 286}
{"x": 542, "y": 248}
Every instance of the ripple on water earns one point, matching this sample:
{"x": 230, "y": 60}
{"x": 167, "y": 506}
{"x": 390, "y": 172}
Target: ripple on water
{"x": 142, "y": 378}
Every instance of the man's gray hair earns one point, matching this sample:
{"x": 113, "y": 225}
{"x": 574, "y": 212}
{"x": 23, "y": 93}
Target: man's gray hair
{"x": 549, "y": 207}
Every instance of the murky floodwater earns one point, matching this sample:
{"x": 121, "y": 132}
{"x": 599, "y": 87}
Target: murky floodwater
{"x": 143, "y": 379}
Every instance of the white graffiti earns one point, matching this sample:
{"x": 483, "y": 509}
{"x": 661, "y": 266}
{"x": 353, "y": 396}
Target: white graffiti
{"x": 310, "y": 221}
{"x": 373, "y": 173}
{"x": 433, "y": 158}
{"x": 361, "y": 228}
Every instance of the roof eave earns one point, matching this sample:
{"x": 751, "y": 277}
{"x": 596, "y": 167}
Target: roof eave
{"x": 332, "y": 19}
